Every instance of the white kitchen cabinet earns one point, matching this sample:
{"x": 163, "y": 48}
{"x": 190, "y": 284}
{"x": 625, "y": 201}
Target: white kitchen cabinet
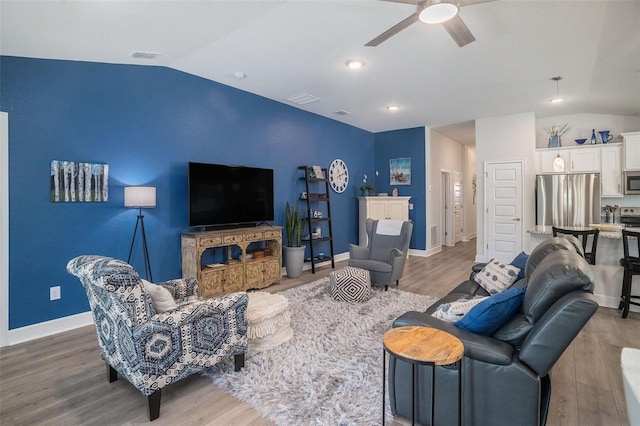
{"x": 611, "y": 171}
{"x": 380, "y": 208}
{"x": 546, "y": 158}
{"x": 631, "y": 150}
{"x": 577, "y": 160}
{"x": 583, "y": 160}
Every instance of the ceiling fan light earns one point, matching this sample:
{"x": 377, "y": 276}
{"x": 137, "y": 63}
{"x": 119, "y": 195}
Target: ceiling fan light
{"x": 437, "y": 12}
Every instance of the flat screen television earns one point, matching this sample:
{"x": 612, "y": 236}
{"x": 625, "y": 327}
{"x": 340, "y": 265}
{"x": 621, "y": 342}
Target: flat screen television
{"x": 225, "y": 195}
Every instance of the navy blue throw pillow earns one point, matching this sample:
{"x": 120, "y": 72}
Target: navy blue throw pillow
{"x": 520, "y": 261}
{"x": 489, "y": 315}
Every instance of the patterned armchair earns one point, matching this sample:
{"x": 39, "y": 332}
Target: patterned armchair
{"x": 152, "y": 350}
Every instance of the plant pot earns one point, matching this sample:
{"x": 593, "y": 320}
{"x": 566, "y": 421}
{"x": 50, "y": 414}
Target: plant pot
{"x": 554, "y": 142}
{"x": 293, "y": 260}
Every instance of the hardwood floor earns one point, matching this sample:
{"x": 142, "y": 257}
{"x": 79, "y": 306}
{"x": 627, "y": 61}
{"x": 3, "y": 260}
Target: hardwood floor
{"x": 61, "y": 379}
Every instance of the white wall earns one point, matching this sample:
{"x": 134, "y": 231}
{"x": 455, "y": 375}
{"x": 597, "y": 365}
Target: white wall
{"x": 445, "y": 154}
{"x": 506, "y": 138}
{"x": 469, "y": 169}
{"x": 582, "y": 124}
{"x": 4, "y": 228}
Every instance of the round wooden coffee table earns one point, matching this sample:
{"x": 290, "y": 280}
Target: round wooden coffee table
{"x": 419, "y": 345}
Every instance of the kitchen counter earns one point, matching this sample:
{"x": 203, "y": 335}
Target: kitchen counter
{"x": 606, "y": 230}
{"x": 607, "y": 270}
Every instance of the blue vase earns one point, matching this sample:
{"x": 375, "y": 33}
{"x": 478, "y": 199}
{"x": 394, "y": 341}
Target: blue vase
{"x": 554, "y": 142}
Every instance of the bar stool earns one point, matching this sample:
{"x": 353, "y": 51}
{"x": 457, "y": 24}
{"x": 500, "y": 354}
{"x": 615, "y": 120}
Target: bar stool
{"x": 583, "y": 236}
{"x": 631, "y": 266}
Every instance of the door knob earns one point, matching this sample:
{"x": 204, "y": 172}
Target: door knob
{"x": 517, "y": 219}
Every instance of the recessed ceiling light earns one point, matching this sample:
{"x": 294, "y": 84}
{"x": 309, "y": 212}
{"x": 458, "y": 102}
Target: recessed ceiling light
{"x": 354, "y": 64}
{"x": 240, "y": 75}
{"x": 393, "y": 107}
{"x": 556, "y": 100}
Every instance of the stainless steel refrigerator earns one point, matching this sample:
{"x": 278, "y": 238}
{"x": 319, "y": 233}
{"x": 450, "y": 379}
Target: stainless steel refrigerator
{"x": 568, "y": 199}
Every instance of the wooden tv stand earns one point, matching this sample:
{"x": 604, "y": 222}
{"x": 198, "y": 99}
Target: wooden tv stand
{"x": 243, "y": 273}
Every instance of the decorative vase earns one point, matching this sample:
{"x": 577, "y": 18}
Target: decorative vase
{"x": 293, "y": 260}
{"x": 554, "y": 142}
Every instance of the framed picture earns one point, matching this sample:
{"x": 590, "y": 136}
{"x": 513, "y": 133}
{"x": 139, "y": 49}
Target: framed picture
{"x": 79, "y": 182}
{"x": 400, "y": 171}
{"x": 317, "y": 171}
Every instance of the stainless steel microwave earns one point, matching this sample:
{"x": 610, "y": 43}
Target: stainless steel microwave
{"x": 632, "y": 183}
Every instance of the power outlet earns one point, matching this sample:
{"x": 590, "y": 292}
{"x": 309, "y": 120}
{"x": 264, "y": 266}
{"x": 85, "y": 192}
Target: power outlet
{"x": 54, "y": 293}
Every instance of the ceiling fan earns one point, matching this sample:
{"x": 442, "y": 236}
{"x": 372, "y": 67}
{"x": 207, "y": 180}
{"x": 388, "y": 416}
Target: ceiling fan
{"x": 443, "y": 12}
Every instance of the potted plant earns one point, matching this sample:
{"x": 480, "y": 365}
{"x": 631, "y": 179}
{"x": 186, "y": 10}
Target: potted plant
{"x": 555, "y": 134}
{"x": 367, "y": 188}
{"x": 294, "y": 251}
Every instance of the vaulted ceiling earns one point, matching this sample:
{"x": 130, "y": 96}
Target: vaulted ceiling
{"x": 285, "y": 48}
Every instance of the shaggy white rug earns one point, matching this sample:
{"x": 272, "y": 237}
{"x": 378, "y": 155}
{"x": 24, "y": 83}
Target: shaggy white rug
{"x": 330, "y": 372}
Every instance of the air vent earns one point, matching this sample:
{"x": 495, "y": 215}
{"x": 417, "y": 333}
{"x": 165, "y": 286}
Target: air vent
{"x": 342, "y": 112}
{"x": 303, "y": 99}
{"x": 145, "y": 55}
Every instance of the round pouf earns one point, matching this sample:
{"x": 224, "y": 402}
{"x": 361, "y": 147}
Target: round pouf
{"x": 350, "y": 284}
{"x": 268, "y": 321}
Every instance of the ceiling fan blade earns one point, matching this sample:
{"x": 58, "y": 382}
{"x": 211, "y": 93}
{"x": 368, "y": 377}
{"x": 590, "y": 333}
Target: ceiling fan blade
{"x": 413, "y": 2}
{"x": 393, "y": 30}
{"x": 458, "y": 31}
{"x": 469, "y": 2}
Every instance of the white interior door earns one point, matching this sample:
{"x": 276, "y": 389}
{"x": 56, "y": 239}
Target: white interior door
{"x": 457, "y": 207}
{"x": 446, "y": 218}
{"x": 503, "y": 210}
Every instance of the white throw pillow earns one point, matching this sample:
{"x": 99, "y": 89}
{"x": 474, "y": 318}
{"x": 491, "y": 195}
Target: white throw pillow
{"x": 455, "y": 311}
{"x": 497, "y": 276}
{"x": 161, "y": 297}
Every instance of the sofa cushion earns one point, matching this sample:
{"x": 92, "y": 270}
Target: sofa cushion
{"x": 456, "y": 310}
{"x": 542, "y": 250}
{"x": 520, "y": 261}
{"x": 514, "y": 330}
{"x": 563, "y": 272}
{"x": 488, "y": 316}
{"x": 160, "y": 296}
{"x": 496, "y": 276}
{"x": 466, "y": 290}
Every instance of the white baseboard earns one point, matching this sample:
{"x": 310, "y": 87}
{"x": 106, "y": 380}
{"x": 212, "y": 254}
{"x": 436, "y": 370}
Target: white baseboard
{"x": 612, "y": 302}
{"x": 307, "y": 265}
{"x": 469, "y": 237}
{"x": 47, "y": 328}
{"x": 418, "y": 253}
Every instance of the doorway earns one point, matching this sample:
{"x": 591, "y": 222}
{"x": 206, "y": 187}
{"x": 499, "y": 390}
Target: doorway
{"x": 503, "y": 210}
{"x": 446, "y": 220}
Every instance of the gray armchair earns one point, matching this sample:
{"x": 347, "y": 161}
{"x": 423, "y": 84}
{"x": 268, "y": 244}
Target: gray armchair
{"x": 152, "y": 350}
{"x": 386, "y": 253}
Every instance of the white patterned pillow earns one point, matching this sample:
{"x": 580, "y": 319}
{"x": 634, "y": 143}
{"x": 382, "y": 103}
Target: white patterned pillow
{"x": 455, "y": 311}
{"x": 497, "y": 276}
{"x": 161, "y": 297}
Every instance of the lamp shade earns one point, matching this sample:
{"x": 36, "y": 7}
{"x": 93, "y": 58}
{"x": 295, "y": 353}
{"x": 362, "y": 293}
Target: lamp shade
{"x": 438, "y": 11}
{"x": 140, "y": 197}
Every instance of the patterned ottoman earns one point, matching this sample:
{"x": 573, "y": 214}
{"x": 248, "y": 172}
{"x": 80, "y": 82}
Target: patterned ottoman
{"x": 268, "y": 321}
{"x": 350, "y": 284}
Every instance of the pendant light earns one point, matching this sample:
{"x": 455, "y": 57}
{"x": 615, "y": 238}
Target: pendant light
{"x": 558, "y": 163}
{"x": 558, "y": 99}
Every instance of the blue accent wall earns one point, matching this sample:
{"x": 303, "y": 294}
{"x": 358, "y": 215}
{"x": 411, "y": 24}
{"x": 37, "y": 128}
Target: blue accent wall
{"x": 407, "y": 143}
{"x": 147, "y": 123}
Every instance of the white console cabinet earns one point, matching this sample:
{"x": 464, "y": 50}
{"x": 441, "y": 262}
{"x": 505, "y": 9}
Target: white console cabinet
{"x": 380, "y": 208}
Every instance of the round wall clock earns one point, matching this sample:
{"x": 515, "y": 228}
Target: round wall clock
{"x": 338, "y": 175}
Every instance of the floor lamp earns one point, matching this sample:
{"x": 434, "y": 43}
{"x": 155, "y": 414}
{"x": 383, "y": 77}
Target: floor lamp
{"x": 140, "y": 197}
